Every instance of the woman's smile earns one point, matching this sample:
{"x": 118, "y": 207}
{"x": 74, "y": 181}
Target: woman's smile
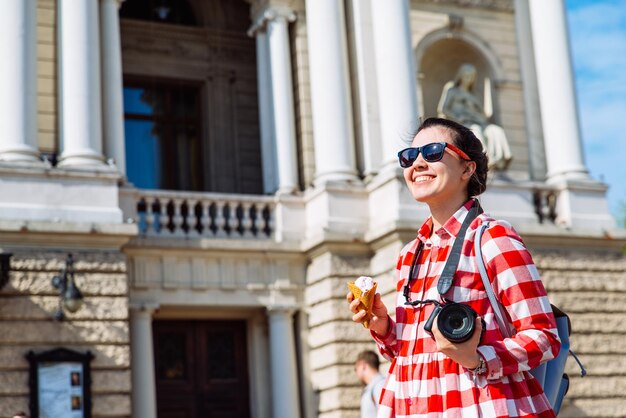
{"x": 423, "y": 178}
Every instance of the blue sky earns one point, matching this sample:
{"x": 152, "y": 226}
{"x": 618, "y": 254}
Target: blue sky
{"x": 597, "y": 31}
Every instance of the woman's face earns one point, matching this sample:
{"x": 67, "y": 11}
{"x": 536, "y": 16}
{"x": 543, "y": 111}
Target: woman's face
{"x": 441, "y": 182}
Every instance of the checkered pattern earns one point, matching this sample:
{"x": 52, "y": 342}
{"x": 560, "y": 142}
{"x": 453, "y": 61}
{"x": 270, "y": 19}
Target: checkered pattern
{"x": 425, "y": 383}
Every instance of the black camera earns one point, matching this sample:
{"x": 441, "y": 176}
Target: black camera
{"x": 456, "y": 321}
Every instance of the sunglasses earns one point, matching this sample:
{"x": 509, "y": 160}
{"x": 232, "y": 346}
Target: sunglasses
{"x": 431, "y": 153}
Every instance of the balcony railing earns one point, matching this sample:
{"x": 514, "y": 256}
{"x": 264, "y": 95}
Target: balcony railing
{"x": 203, "y": 215}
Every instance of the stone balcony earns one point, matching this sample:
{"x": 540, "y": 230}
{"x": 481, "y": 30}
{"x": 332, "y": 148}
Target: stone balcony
{"x": 335, "y": 211}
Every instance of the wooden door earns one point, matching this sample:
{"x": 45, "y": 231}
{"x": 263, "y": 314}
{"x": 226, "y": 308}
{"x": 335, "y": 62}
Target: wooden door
{"x": 201, "y": 369}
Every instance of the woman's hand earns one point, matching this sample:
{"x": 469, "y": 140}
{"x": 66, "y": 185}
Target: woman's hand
{"x": 379, "y": 323}
{"x": 463, "y": 353}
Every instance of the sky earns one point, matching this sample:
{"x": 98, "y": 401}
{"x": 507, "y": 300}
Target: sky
{"x": 597, "y": 30}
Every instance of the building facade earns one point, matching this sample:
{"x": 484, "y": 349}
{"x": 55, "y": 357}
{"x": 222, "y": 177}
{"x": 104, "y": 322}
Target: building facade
{"x": 219, "y": 169}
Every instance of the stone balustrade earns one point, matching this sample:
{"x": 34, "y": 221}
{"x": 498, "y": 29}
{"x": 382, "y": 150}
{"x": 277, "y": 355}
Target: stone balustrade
{"x": 202, "y": 215}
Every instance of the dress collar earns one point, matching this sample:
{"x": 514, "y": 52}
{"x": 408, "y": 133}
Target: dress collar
{"x": 450, "y": 228}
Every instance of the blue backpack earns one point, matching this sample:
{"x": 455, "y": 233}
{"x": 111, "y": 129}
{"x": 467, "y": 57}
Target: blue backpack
{"x": 551, "y": 374}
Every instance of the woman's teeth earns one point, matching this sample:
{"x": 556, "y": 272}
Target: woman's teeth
{"x": 421, "y": 179}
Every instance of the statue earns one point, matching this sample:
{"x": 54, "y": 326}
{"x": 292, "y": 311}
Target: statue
{"x": 458, "y": 103}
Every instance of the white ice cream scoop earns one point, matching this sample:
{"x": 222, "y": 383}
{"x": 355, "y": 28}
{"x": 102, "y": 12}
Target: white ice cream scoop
{"x": 364, "y": 283}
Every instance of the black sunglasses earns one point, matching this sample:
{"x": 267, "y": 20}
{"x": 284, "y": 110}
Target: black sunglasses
{"x": 431, "y": 153}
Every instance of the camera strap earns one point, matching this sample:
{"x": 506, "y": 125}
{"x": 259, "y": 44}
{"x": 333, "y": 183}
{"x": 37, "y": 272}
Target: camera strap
{"x": 445, "y": 280}
{"x": 412, "y": 275}
{"x": 447, "y": 276}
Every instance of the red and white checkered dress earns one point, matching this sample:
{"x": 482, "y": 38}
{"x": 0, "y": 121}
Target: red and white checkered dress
{"x": 423, "y": 382}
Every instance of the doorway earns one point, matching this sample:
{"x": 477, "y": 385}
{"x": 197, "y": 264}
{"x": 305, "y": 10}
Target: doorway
{"x": 201, "y": 369}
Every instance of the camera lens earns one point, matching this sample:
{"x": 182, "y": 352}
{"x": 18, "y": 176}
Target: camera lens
{"x": 456, "y": 322}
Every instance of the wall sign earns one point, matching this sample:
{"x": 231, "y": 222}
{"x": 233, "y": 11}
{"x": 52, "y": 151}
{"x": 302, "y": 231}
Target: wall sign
{"x": 60, "y": 384}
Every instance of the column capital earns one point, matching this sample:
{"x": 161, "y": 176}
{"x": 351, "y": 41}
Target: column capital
{"x": 271, "y": 13}
{"x": 143, "y": 307}
{"x": 281, "y": 310}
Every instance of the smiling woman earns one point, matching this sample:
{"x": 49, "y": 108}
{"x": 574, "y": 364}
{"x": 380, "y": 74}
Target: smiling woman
{"x": 432, "y": 374}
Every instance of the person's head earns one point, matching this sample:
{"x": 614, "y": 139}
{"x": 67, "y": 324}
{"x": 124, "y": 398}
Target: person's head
{"x": 366, "y": 366}
{"x": 465, "y": 76}
{"x": 20, "y": 414}
{"x": 461, "y": 170}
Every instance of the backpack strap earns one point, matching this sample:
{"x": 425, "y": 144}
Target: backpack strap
{"x": 493, "y": 300}
{"x": 495, "y": 304}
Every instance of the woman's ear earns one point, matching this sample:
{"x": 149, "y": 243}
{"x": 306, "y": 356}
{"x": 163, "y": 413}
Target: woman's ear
{"x": 469, "y": 170}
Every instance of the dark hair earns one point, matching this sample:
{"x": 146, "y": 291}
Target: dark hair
{"x": 20, "y": 414}
{"x": 370, "y": 358}
{"x": 464, "y": 139}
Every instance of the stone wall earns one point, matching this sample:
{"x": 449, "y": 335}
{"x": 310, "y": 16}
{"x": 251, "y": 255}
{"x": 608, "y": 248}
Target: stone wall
{"x": 591, "y": 287}
{"x": 302, "y": 96}
{"x": 46, "y": 75}
{"x": 27, "y": 304}
{"x": 334, "y": 340}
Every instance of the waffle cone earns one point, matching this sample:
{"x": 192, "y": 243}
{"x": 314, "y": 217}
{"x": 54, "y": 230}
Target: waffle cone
{"x": 366, "y": 299}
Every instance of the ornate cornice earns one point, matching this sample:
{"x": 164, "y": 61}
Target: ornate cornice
{"x": 500, "y": 5}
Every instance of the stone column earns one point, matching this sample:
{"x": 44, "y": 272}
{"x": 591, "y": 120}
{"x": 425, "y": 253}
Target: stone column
{"x": 80, "y": 122}
{"x": 330, "y": 92}
{"x": 266, "y": 106}
{"x": 367, "y": 89}
{"x": 395, "y": 71}
{"x": 556, "y": 91}
{"x": 112, "y": 85}
{"x": 142, "y": 357}
{"x": 266, "y": 118}
{"x": 18, "y": 81}
{"x": 285, "y": 395}
{"x": 276, "y": 20}
{"x": 532, "y": 113}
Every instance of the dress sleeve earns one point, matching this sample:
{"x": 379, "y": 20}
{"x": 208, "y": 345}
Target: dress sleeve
{"x": 388, "y": 343}
{"x": 516, "y": 282}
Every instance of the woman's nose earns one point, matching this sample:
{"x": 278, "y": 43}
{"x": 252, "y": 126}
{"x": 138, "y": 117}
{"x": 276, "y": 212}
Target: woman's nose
{"x": 419, "y": 162}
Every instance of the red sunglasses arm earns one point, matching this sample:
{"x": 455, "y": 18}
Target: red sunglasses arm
{"x": 458, "y": 151}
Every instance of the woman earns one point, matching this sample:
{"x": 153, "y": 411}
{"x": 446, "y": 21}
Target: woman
{"x": 485, "y": 376}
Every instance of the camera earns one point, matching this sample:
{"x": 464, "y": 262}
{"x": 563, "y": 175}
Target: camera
{"x": 456, "y": 321}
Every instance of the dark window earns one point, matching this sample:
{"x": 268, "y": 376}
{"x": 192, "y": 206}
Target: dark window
{"x": 200, "y": 135}
{"x": 221, "y": 356}
{"x": 172, "y": 364}
{"x": 163, "y": 136}
{"x": 166, "y": 11}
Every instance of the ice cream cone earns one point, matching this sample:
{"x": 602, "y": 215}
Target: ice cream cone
{"x": 366, "y": 299}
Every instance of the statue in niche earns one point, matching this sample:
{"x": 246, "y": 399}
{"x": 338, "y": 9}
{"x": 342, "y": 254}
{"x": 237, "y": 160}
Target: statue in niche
{"x": 458, "y": 103}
